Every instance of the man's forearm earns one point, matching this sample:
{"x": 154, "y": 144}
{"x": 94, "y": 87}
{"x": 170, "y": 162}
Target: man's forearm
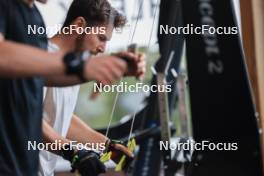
{"x": 50, "y": 136}
{"x": 18, "y": 60}
{"x": 81, "y": 132}
{"x": 61, "y": 81}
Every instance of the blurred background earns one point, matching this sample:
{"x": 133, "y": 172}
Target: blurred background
{"x": 138, "y": 30}
{"x": 141, "y": 29}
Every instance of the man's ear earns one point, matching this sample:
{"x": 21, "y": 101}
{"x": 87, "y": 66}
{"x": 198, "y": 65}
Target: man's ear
{"x": 77, "y": 24}
{"x": 80, "y": 22}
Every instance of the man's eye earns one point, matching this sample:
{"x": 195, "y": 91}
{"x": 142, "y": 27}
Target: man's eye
{"x": 102, "y": 38}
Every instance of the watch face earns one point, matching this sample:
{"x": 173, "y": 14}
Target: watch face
{"x": 85, "y": 55}
{"x": 75, "y": 62}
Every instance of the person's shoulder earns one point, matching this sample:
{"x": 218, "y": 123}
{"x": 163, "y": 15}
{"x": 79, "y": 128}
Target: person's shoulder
{"x": 7, "y": 6}
{"x": 8, "y": 3}
{"x": 4, "y": 4}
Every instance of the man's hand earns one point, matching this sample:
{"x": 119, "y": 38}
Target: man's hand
{"x": 105, "y": 69}
{"x": 136, "y": 64}
{"x": 88, "y": 163}
{"x": 118, "y": 149}
{"x": 85, "y": 162}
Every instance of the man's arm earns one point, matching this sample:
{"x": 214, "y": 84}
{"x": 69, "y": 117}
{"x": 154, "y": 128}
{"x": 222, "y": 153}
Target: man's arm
{"x": 81, "y": 132}
{"x": 51, "y": 136}
{"x": 18, "y": 60}
{"x": 87, "y": 163}
{"x": 61, "y": 81}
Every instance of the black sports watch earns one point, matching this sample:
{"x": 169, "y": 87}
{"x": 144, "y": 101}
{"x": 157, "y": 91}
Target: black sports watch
{"x": 75, "y": 62}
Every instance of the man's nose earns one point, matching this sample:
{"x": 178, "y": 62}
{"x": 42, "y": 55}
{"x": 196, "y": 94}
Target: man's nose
{"x": 101, "y": 49}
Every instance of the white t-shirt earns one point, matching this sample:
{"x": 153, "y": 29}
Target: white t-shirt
{"x": 58, "y": 106}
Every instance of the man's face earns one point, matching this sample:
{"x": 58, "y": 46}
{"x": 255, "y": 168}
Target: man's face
{"x": 96, "y": 43}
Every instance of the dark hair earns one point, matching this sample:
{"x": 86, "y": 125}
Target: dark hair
{"x": 95, "y": 12}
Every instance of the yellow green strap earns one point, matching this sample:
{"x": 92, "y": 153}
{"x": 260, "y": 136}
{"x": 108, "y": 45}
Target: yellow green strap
{"x": 131, "y": 146}
{"x": 106, "y": 157}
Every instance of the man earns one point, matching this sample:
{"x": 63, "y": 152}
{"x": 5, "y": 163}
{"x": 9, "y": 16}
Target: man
{"x": 59, "y": 103}
{"x": 22, "y": 69}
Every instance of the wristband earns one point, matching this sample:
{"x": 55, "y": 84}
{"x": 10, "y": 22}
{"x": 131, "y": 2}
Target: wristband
{"x": 75, "y": 64}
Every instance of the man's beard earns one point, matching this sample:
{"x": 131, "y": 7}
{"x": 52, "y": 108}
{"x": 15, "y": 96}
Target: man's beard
{"x": 79, "y": 45}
